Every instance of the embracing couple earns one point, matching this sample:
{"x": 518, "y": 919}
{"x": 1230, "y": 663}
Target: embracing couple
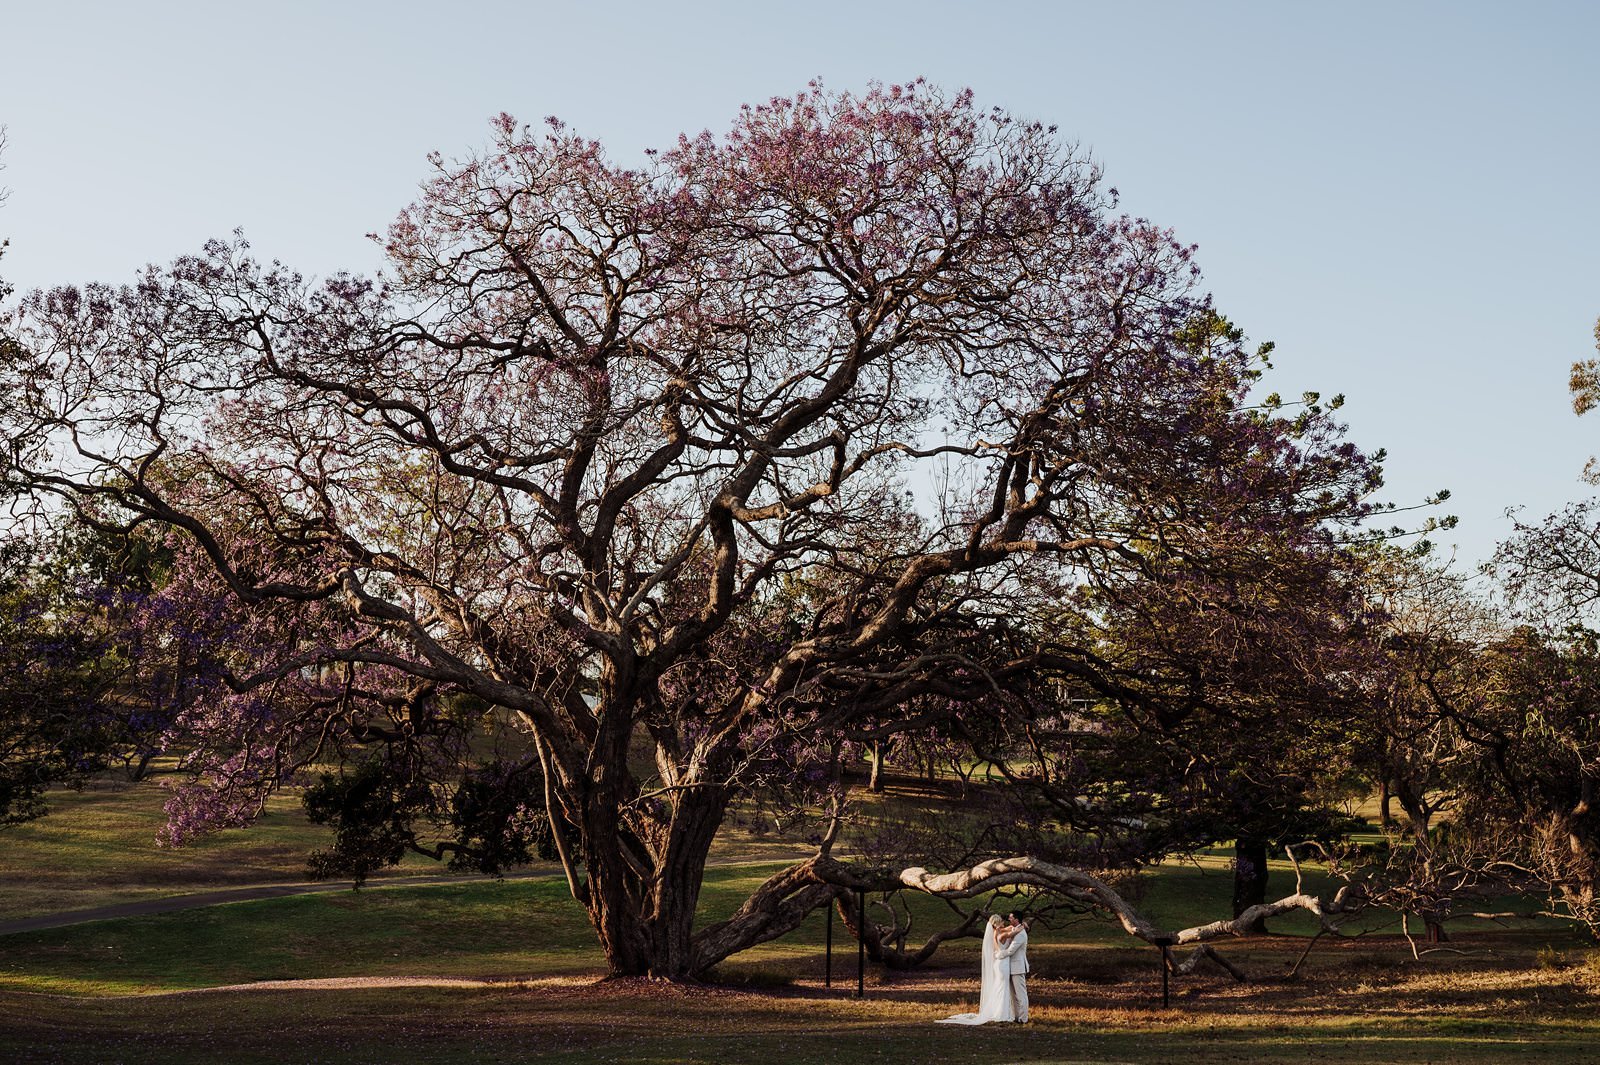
{"x": 1004, "y": 990}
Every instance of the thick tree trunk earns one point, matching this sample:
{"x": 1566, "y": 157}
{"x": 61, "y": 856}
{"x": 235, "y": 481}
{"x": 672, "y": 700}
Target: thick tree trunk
{"x": 1249, "y": 877}
{"x": 675, "y": 895}
{"x": 642, "y": 904}
{"x": 775, "y": 908}
{"x": 1420, "y": 816}
{"x": 1578, "y": 870}
{"x": 618, "y": 924}
{"x": 1385, "y": 804}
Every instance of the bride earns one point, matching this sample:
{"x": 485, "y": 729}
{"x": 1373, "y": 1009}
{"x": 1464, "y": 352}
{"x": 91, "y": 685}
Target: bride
{"x": 995, "y": 1001}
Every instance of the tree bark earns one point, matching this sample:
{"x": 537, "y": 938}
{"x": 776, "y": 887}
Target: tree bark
{"x": 875, "y": 781}
{"x": 1249, "y": 878}
{"x": 642, "y": 902}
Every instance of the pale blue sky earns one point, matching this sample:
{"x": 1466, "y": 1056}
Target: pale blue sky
{"x": 1402, "y": 195}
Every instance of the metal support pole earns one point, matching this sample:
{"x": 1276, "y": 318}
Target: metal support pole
{"x": 827, "y": 966}
{"x": 861, "y": 949}
{"x": 1165, "y": 943}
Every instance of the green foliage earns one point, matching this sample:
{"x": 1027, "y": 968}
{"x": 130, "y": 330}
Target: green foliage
{"x": 382, "y": 808}
{"x": 371, "y": 812}
{"x": 55, "y": 719}
{"x": 498, "y": 816}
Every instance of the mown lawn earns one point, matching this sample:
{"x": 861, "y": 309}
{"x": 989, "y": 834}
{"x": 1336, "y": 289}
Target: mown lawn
{"x": 97, "y": 847}
{"x": 103, "y": 992}
{"x": 584, "y": 1022}
{"x": 143, "y": 989}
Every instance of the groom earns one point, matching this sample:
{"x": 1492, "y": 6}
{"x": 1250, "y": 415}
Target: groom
{"x": 1017, "y": 950}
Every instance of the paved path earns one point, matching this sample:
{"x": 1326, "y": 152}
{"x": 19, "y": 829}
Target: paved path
{"x": 170, "y": 903}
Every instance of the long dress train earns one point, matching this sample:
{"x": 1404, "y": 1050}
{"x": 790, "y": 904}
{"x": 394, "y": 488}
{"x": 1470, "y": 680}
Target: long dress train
{"x": 995, "y": 1002}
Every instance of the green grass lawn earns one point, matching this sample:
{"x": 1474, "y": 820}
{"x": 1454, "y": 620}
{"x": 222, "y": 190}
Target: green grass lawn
{"x": 516, "y": 928}
{"x": 136, "y": 990}
{"x": 102, "y": 992}
{"x": 97, "y": 847}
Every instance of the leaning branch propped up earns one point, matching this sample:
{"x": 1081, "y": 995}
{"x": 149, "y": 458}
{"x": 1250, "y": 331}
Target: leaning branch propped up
{"x": 785, "y": 899}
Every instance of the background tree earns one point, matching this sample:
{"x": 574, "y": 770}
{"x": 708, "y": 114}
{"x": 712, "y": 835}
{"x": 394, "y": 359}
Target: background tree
{"x": 1487, "y": 718}
{"x": 1431, "y": 634}
{"x": 1541, "y": 724}
{"x": 558, "y": 463}
{"x": 1223, "y": 704}
{"x": 57, "y": 723}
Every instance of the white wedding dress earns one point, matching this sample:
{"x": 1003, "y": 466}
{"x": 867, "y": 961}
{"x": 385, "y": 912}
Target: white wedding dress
{"x": 995, "y": 1000}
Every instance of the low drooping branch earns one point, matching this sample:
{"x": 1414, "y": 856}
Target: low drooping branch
{"x": 774, "y": 909}
{"x": 1206, "y": 953}
{"x": 780, "y": 904}
{"x": 1085, "y": 888}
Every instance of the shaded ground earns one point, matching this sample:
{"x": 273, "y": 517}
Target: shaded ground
{"x": 184, "y": 988}
{"x": 480, "y": 971}
{"x": 1411, "y": 1017}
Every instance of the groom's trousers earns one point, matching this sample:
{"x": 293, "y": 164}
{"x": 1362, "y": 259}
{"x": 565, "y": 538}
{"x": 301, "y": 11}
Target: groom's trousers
{"x": 1019, "y": 991}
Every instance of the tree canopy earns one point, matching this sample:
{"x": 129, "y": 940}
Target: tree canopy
{"x": 655, "y": 484}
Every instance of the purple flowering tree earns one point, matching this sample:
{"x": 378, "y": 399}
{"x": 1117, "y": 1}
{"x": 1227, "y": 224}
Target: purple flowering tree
{"x": 866, "y": 415}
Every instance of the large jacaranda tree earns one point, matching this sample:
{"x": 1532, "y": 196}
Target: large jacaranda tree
{"x": 680, "y": 475}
